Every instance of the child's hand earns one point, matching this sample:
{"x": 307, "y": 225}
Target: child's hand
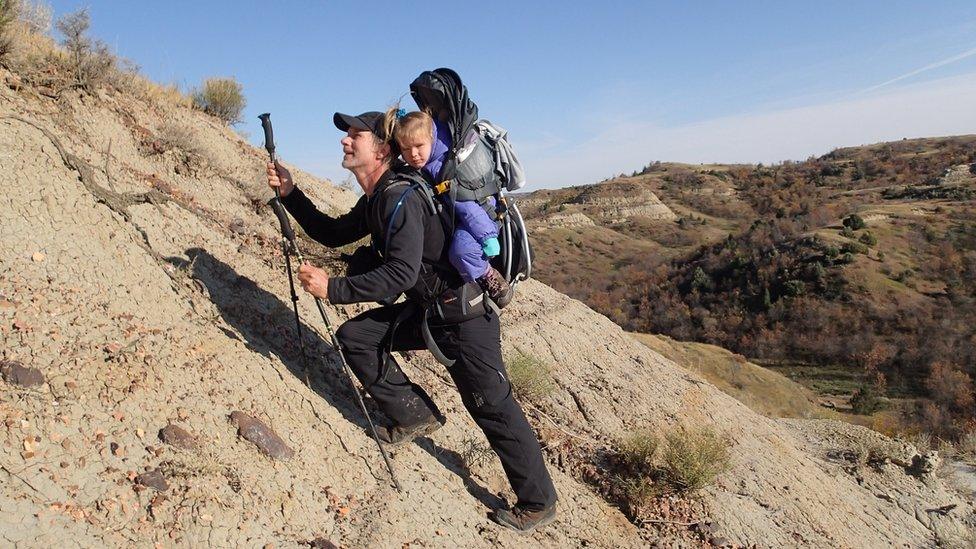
{"x": 491, "y": 248}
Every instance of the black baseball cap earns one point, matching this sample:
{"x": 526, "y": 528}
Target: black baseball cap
{"x": 371, "y": 121}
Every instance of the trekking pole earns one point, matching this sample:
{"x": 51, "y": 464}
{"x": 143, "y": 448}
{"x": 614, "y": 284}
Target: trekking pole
{"x": 287, "y": 240}
{"x": 289, "y": 246}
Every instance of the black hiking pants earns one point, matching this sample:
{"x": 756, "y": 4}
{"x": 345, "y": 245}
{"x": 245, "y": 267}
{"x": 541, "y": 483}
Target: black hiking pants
{"x": 480, "y": 377}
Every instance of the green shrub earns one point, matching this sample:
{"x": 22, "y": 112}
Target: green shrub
{"x": 530, "y": 377}
{"x": 854, "y": 221}
{"x": 854, "y": 248}
{"x": 701, "y": 281}
{"x": 904, "y": 275}
{"x": 795, "y": 288}
{"x": 818, "y": 271}
{"x": 847, "y": 232}
{"x": 635, "y": 472}
{"x": 832, "y": 251}
{"x": 691, "y": 459}
{"x": 868, "y": 239}
{"x": 846, "y": 259}
{"x": 867, "y": 399}
{"x": 687, "y": 461}
{"x": 89, "y": 61}
{"x": 222, "y": 98}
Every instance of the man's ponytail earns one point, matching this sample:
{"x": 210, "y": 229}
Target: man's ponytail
{"x": 389, "y": 123}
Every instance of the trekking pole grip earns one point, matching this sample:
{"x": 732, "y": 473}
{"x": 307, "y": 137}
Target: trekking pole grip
{"x": 268, "y": 134}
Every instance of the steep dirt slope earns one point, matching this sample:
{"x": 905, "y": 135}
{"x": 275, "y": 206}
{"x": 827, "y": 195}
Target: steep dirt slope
{"x": 154, "y": 297}
{"x": 172, "y": 308}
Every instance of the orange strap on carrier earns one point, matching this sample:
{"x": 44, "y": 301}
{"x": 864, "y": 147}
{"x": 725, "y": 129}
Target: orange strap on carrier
{"x": 443, "y": 187}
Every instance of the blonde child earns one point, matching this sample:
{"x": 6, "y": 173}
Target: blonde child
{"x": 424, "y": 143}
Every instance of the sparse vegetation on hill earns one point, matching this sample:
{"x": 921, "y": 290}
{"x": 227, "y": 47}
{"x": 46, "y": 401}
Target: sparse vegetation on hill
{"x": 221, "y": 97}
{"x": 829, "y": 262}
{"x": 765, "y": 391}
{"x": 89, "y": 61}
{"x": 646, "y": 466}
{"x": 81, "y": 63}
{"x": 9, "y": 11}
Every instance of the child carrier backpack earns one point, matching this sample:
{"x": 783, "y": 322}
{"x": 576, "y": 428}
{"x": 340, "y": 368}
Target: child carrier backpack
{"x": 480, "y": 165}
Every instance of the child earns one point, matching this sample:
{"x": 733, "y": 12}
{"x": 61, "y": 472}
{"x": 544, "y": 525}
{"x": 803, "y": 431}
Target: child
{"x": 424, "y": 143}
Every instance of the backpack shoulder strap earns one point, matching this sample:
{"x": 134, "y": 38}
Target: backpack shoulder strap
{"x": 428, "y": 198}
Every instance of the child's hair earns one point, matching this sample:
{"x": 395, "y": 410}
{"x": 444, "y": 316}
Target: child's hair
{"x": 412, "y": 124}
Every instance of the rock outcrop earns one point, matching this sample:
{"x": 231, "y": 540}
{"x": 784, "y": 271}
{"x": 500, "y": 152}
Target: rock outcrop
{"x": 562, "y": 220}
{"x": 618, "y": 205}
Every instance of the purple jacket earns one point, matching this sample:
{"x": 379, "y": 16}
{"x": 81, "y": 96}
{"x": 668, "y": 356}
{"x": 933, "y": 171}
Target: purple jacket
{"x": 438, "y": 149}
{"x": 470, "y": 216}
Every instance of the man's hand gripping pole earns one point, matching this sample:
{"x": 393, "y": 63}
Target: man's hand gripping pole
{"x": 289, "y": 246}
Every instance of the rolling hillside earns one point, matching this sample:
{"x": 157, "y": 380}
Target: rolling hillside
{"x": 862, "y": 259}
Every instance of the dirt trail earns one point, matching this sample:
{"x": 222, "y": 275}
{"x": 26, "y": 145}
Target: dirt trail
{"x": 147, "y": 288}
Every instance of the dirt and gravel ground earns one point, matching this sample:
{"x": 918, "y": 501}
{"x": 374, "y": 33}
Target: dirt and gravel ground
{"x": 146, "y": 287}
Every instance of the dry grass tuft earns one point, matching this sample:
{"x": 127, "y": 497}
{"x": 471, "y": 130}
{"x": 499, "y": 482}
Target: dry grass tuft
{"x": 530, "y": 377}
{"x": 475, "y": 453}
{"x": 646, "y": 466}
{"x": 222, "y": 98}
{"x": 174, "y": 136}
{"x": 692, "y": 458}
{"x": 965, "y": 447}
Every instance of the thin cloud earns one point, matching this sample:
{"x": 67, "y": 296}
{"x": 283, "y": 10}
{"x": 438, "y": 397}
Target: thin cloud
{"x": 933, "y": 108}
{"x": 937, "y": 64}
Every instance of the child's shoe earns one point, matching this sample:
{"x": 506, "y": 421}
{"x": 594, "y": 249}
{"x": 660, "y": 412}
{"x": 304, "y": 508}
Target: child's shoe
{"x": 497, "y": 288}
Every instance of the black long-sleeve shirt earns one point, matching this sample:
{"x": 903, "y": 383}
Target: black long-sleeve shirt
{"x": 414, "y": 237}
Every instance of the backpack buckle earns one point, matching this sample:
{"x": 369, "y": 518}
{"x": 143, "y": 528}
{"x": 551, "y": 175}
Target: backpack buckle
{"x": 443, "y": 187}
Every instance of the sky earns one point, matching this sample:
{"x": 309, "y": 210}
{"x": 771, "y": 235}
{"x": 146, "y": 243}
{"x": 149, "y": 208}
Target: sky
{"x": 586, "y": 90}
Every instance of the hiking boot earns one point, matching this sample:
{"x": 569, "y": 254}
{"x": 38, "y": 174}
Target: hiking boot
{"x": 398, "y": 435}
{"x": 497, "y": 288}
{"x": 522, "y": 520}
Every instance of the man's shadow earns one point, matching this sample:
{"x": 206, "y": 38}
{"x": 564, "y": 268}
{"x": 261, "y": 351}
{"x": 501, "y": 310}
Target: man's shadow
{"x": 268, "y": 327}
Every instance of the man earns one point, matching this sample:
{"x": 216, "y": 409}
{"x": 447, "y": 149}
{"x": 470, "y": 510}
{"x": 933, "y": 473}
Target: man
{"x": 411, "y": 242}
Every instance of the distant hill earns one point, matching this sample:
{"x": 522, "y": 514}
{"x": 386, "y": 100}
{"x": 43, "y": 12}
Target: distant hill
{"x": 758, "y": 259}
{"x": 764, "y": 391}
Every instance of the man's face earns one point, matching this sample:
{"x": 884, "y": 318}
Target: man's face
{"x": 360, "y": 150}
